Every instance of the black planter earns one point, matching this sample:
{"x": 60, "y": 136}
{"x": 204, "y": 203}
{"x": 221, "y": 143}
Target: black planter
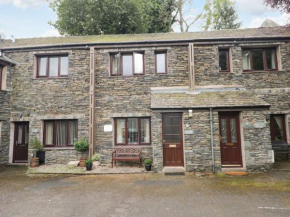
{"x": 41, "y": 155}
{"x": 89, "y": 167}
{"x": 148, "y": 167}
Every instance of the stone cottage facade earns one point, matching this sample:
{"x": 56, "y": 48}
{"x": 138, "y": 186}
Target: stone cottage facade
{"x": 205, "y": 101}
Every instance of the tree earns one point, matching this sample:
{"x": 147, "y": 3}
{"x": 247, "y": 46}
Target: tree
{"x": 283, "y": 5}
{"x": 95, "y": 17}
{"x": 184, "y": 16}
{"x": 221, "y": 14}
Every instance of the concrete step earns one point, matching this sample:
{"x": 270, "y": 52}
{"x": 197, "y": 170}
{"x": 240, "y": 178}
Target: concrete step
{"x": 174, "y": 170}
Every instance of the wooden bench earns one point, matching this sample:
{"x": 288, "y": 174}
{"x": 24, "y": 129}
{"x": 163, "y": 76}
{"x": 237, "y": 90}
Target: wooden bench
{"x": 126, "y": 154}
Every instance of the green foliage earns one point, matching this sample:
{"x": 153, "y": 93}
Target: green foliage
{"x": 81, "y": 145}
{"x": 89, "y": 162}
{"x": 147, "y": 162}
{"x": 35, "y": 143}
{"x": 220, "y": 14}
{"x": 95, "y": 17}
{"x": 96, "y": 157}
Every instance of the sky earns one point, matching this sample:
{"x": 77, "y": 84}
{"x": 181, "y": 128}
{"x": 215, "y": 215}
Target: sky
{"x": 29, "y": 18}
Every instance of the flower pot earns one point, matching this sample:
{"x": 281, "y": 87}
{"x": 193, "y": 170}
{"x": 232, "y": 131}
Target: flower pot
{"x": 83, "y": 161}
{"x": 96, "y": 163}
{"x": 34, "y": 162}
{"x": 148, "y": 167}
{"x": 41, "y": 155}
{"x": 89, "y": 167}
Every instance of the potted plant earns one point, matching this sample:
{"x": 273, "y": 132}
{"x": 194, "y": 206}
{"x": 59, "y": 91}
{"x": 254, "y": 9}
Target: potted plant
{"x": 96, "y": 160}
{"x": 35, "y": 143}
{"x": 89, "y": 164}
{"x": 148, "y": 163}
{"x": 82, "y": 145}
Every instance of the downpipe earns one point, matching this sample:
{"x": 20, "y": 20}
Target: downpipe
{"x": 211, "y": 140}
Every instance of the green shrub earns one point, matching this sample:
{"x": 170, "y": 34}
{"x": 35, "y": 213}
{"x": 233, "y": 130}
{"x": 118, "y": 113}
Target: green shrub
{"x": 81, "y": 145}
{"x": 147, "y": 162}
{"x": 89, "y": 162}
{"x": 35, "y": 143}
{"x": 96, "y": 157}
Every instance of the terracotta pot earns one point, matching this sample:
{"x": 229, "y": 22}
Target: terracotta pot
{"x": 83, "y": 161}
{"x": 34, "y": 162}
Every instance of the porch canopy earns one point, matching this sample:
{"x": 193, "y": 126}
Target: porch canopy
{"x": 205, "y": 99}
{"x": 6, "y": 61}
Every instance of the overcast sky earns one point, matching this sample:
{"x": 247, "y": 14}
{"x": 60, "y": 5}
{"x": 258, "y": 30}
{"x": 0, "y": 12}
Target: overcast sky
{"x": 29, "y": 18}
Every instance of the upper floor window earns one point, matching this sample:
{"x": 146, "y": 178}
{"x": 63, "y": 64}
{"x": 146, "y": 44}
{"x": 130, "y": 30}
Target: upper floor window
{"x": 52, "y": 66}
{"x": 224, "y": 60}
{"x": 127, "y": 64}
{"x": 278, "y": 128}
{"x": 1, "y": 77}
{"x": 60, "y": 133}
{"x": 259, "y": 59}
{"x": 132, "y": 131}
{"x": 160, "y": 62}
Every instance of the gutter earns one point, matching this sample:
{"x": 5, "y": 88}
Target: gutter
{"x": 149, "y": 43}
{"x": 211, "y": 140}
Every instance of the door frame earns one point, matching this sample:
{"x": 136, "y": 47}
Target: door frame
{"x": 181, "y": 136}
{"x": 14, "y": 138}
{"x": 240, "y": 136}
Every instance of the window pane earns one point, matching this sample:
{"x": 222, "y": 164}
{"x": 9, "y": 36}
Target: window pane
{"x": 1, "y": 69}
{"x": 258, "y": 60}
{"x": 175, "y": 138}
{"x": 42, "y": 66}
{"x": 233, "y": 130}
{"x": 49, "y": 133}
{"x": 246, "y": 60}
{"x": 64, "y": 66}
{"x": 20, "y": 130}
{"x": 60, "y": 133}
{"x": 278, "y": 128}
{"x": 138, "y": 63}
{"x": 26, "y": 134}
{"x": 223, "y": 60}
{"x": 145, "y": 130}
{"x": 127, "y": 64}
{"x": 115, "y": 63}
{"x": 271, "y": 59}
{"x": 133, "y": 131}
{"x": 160, "y": 63}
{"x": 73, "y": 132}
{"x": 120, "y": 131}
{"x": 224, "y": 130}
{"x": 53, "y": 66}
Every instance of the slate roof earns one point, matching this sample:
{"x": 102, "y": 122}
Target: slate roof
{"x": 7, "y": 61}
{"x": 269, "y": 23}
{"x": 155, "y": 37}
{"x": 206, "y": 100}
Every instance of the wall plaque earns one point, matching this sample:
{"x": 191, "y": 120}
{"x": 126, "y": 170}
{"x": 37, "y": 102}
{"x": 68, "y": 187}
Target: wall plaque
{"x": 108, "y": 128}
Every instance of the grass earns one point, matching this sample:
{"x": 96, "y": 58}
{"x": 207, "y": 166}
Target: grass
{"x": 55, "y": 169}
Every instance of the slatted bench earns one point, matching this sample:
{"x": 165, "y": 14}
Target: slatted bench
{"x": 126, "y": 154}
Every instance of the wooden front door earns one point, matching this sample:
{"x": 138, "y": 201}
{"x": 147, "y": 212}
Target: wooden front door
{"x": 20, "y": 153}
{"x": 172, "y": 139}
{"x": 230, "y": 138}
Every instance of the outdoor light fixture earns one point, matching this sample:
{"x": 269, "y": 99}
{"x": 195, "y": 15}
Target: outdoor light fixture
{"x": 190, "y": 112}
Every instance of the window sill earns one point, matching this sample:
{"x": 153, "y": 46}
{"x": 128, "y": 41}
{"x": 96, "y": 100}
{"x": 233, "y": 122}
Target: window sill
{"x": 132, "y": 146}
{"x": 225, "y": 72}
{"x": 53, "y": 78}
{"x": 58, "y": 148}
{"x": 263, "y": 71}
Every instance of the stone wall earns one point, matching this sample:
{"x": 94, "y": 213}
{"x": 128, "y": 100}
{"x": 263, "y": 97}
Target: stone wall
{"x": 131, "y": 95}
{"x": 258, "y": 147}
{"x": 5, "y": 106}
{"x": 39, "y": 99}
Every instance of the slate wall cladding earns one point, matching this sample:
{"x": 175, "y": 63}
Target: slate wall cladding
{"x": 131, "y": 94}
{"x": 207, "y": 69}
{"x": 37, "y": 98}
{"x": 5, "y": 106}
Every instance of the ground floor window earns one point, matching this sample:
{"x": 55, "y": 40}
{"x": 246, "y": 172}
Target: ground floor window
{"x": 278, "y": 128}
{"x": 60, "y": 133}
{"x": 132, "y": 131}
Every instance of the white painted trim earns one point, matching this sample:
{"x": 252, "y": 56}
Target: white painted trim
{"x": 242, "y": 141}
{"x": 287, "y": 128}
{"x": 279, "y": 58}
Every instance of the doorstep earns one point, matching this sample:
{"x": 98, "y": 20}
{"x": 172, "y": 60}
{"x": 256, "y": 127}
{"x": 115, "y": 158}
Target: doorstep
{"x": 234, "y": 169}
{"x": 173, "y": 170}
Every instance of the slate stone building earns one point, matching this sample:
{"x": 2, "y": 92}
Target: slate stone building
{"x": 203, "y": 101}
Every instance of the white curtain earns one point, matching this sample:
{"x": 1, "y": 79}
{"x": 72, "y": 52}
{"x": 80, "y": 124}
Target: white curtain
{"x": 246, "y": 60}
{"x": 60, "y": 133}
{"x": 49, "y": 133}
{"x": 73, "y": 131}
{"x": 145, "y": 131}
{"x": 133, "y": 131}
{"x": 138, "y": 63}
{"x": 120, "y": 131}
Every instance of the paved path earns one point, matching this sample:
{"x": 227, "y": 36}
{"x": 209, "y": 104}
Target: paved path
{"x": 143, "y": 195}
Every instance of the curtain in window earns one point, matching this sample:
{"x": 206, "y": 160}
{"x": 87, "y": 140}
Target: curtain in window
{"x": 270, "y": 56}
{"x": 145, "y": 130}
{"x": 53, "y": 66}
{"x": 64, "y": 66}
{"x": 133, "y": 131}
{"x": 278, "y": 125}
{"x": 246, "y": 60}
{"x": 115, "y": 64}
{"x": 127, "y": 64}
{"x": 160, "y": 61}
{"x": 121, "y": 131}
{"x": 60, "y": 133}
{"x": 73, "y": 132}
{"x": 42, "y": 66}
{"x": 49, "y": 133}
{"x": 138, "y": 63}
